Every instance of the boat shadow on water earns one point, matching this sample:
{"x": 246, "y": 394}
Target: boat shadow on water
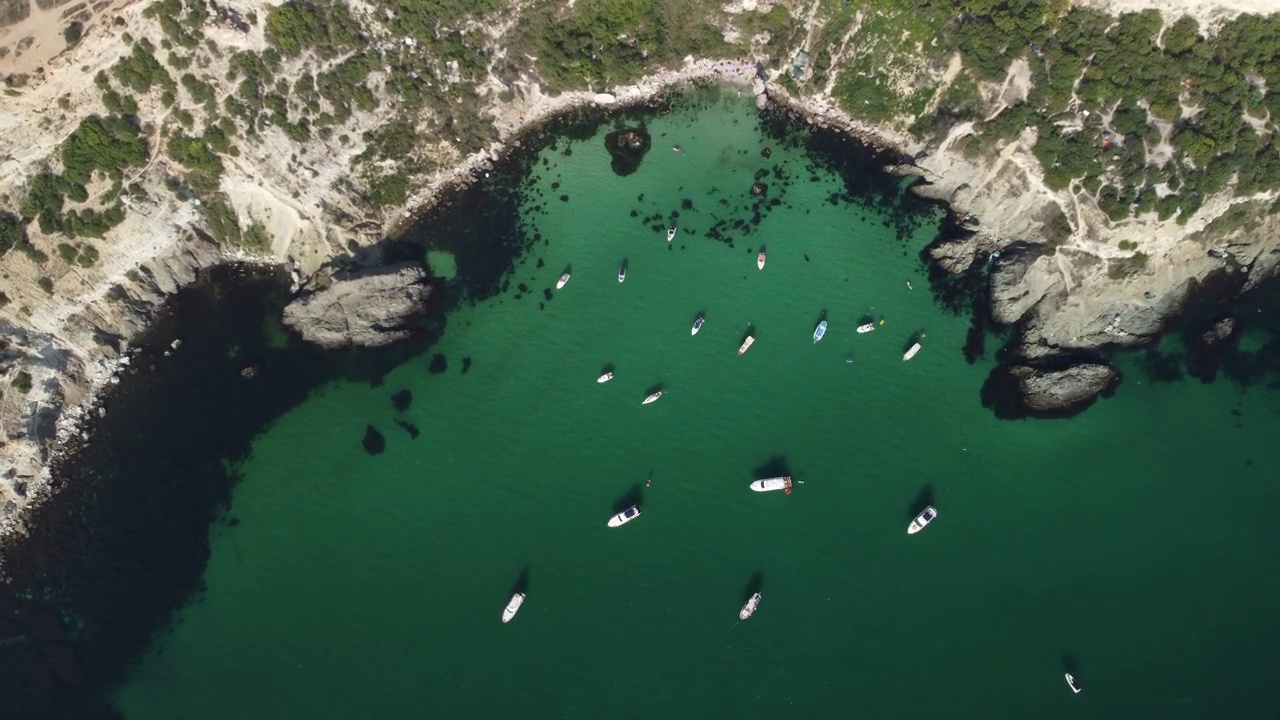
{"x": 633, "y": 496}
{"x": 755, "y": 584}
{"x": 521, "y": 585}
{"x": 1070, "y": 664}
{"x": 923, "y": 499}
{"x": 775, "y": 466}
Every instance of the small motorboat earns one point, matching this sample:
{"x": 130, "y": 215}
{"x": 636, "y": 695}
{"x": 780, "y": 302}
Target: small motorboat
{"x": 746, "y": 344}
{"x": 775, "y": 483}
{"x": 866, "y": 328}
{"x": 1073, "y": 683}
{"x": 652, "y": 398}
{"x": 564, "y": 279}
{"x": 625, "y": 516}
{"x": 605, "y": 377}
{"x": 697, "y": 325}
{"x": 924, "y": 518}
{"x": 911, "y": 352}
{"x": 513, "y": 607}
{"x": 671, "y": 233}
{"x": 622, "y": 273}
{"x": 749, "y": 607}
{"x": 760, "y": 261}
{"x": 819, "y": 331}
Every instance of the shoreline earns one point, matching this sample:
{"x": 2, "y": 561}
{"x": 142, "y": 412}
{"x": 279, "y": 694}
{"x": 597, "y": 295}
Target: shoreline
{"x": 89, "y": 376}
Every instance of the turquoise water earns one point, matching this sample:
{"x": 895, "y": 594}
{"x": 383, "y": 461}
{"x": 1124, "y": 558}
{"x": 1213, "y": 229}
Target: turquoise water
{"x": 1130, "y": 543}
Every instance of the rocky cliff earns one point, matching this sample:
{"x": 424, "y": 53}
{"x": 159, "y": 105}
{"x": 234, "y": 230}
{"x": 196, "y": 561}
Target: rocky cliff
{"x": 370, "y": 308}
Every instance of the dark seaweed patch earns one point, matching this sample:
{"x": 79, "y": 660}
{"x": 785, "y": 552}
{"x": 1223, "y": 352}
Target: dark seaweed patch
{"x": 402, "y": 400}
{"x": 439, "y": 363}
{"x": 409, "y": 428}
{"x": 373, "y": 442}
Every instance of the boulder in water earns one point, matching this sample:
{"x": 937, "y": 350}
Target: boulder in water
{"x": 627, "y": 147}
{"x": 370, "y": 308}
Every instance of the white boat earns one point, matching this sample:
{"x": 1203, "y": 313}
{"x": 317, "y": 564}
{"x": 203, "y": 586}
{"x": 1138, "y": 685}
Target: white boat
{"x": 924, "y": 518}
{"x": 911, "y": 352}
{"x": 769, "y": 484}
{"x": 746, "y": 344}
{"x": 1073, "y": 684}
{"x": 697, "y": 325}
{"x": 622, "y": 273}
{"x": 866, "y": 328}
{"x": 625, "y": 516}
{"x": 671, "y": 233}
{"x": 760, "y": 261}
{"x": 562, "y": 281}
{"x": 819, "y": 331}
{"x": 513, "y": 607}
{"x": 749, "y": 607}
{"x": 652, "y": 398}
{"x": 605, "y": 377}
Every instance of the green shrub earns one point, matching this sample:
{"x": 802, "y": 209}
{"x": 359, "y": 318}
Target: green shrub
{"x": 389, "y": 190}
{"x": 22, "y": 381}
{"x": 324, "y": 26}
{"x": 109, "y": 144}
{"x": 45, "y": 284}
{"x": 1128, "y": 245}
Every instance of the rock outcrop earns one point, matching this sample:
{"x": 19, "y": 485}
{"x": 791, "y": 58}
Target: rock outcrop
{"x": 1047, "y": 391}
{"x": 369, "y": 308}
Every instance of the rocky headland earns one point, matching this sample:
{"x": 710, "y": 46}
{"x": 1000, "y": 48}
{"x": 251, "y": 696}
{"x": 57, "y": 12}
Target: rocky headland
{"x": 219, "y": 160}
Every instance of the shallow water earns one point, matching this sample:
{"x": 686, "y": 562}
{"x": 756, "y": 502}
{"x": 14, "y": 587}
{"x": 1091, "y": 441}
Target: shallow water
{"x": 1129, "y": 544}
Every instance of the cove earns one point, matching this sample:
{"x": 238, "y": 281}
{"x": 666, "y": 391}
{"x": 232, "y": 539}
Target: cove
{"x": 1121, "y": 544}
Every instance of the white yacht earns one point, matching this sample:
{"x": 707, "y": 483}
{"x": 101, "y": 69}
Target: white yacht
{"x": 923, "y": 519}
{"x": 564, "y": 279}
{"x": 866, "y": 328}
{"x": 911, "y": 352}
{"x": 746, "y": 344}
{"x": 605, "y": 377}
{"x": 513, "y": 607}
{"x": 1073, "y": 683}
{"x": 697, "y": 325}
{"x": 749, "y": 608}
{"x": 770, "y": 484}
{"x": 652, "y": 398}
{"x": 625, "y": 516}
{"x": 671, "y": 233}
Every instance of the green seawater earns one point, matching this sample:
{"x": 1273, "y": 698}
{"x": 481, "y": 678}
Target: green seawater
{"x": 1132, "y": 543}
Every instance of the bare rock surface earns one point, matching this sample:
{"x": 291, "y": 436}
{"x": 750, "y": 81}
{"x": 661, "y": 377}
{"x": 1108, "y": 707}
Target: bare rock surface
{"x": 368, "y": 308}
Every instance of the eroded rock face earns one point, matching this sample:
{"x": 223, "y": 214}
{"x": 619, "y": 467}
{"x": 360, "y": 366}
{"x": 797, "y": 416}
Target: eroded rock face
{"x": 1020, "y": 391}
{"x": 364, "y": 309}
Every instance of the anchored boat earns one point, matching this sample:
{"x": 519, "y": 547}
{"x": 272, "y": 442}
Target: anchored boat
{"x": 760, "y": 261}
{"x": 513, "y": 607}
{"x": 622, "y": 273}
{"x": 564, "y": 279}
{"x": 746, "y": 344}
{"x": 625, "y": 516}
{"x": 819, "y": 331}
{"x": 697, "y": 325}
{"x": 671, "y": 233}
{"x": 866, "y": 328}
{"x": 923, "y": 519}
{"x": 1073, "y": 684}
{"x": 910, "y": 353}
{"x": 749, "y": 608}
{"x": 769, "y": 484}
{"x": 605, "y": 377}
{"x": 652, "y": 398}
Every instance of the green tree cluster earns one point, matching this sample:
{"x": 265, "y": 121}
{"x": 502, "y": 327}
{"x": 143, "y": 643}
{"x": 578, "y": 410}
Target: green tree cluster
{"x": 324, "y": 27}
{"x": 140, "y": 70}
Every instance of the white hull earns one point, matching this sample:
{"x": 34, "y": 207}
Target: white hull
{"x": 622, "y": 275}
{"x": 1071, "y": 683}
{"x": 820, "y": 331}
{"x": 745, "y": 345}
{"x": 922, "y": 520}
{"x": 697, "y": 325}
{"x": 564, "y": 280}
{"x": 652, "y": 398}
{"x": 513, "y": 607}
{"x": 760, "y": 261}
{"x": 671, "y": 234}
{"x": 750, "y": 607}
{"x": 625, "y": 516}
{"x": 911, "y": 353}
{"x": 771, "y": 484}
{"x": 605, "y": 378}
{"x": 866, "y": 328}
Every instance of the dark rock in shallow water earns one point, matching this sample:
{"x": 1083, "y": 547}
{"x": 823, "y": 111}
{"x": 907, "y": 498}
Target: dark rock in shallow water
{"x": 439, "y": 363}
{"x": 409, "y": 428}
{"x": 466, "y": 365}
{"x": 402, "y": 400}
{"x": 1208, "y": 348}
{"x": 373, "y": 441}
{"x": 627, "y": 148}
{"x": 371, "y": 308}
{"x": 1059, "y": 391}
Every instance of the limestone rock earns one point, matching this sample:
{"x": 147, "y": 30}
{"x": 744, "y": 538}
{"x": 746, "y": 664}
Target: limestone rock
{"x": 1062, "y": 391}
{"x": 370, "y": 308}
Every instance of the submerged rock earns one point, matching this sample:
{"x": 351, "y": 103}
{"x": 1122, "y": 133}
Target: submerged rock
{"x": 402, "y": 400}
{"x": 1208, "y": 348}
{"x": 364, "y": 309}
{"x": 373, "y": 441}
{"x": 627, "y": 148}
